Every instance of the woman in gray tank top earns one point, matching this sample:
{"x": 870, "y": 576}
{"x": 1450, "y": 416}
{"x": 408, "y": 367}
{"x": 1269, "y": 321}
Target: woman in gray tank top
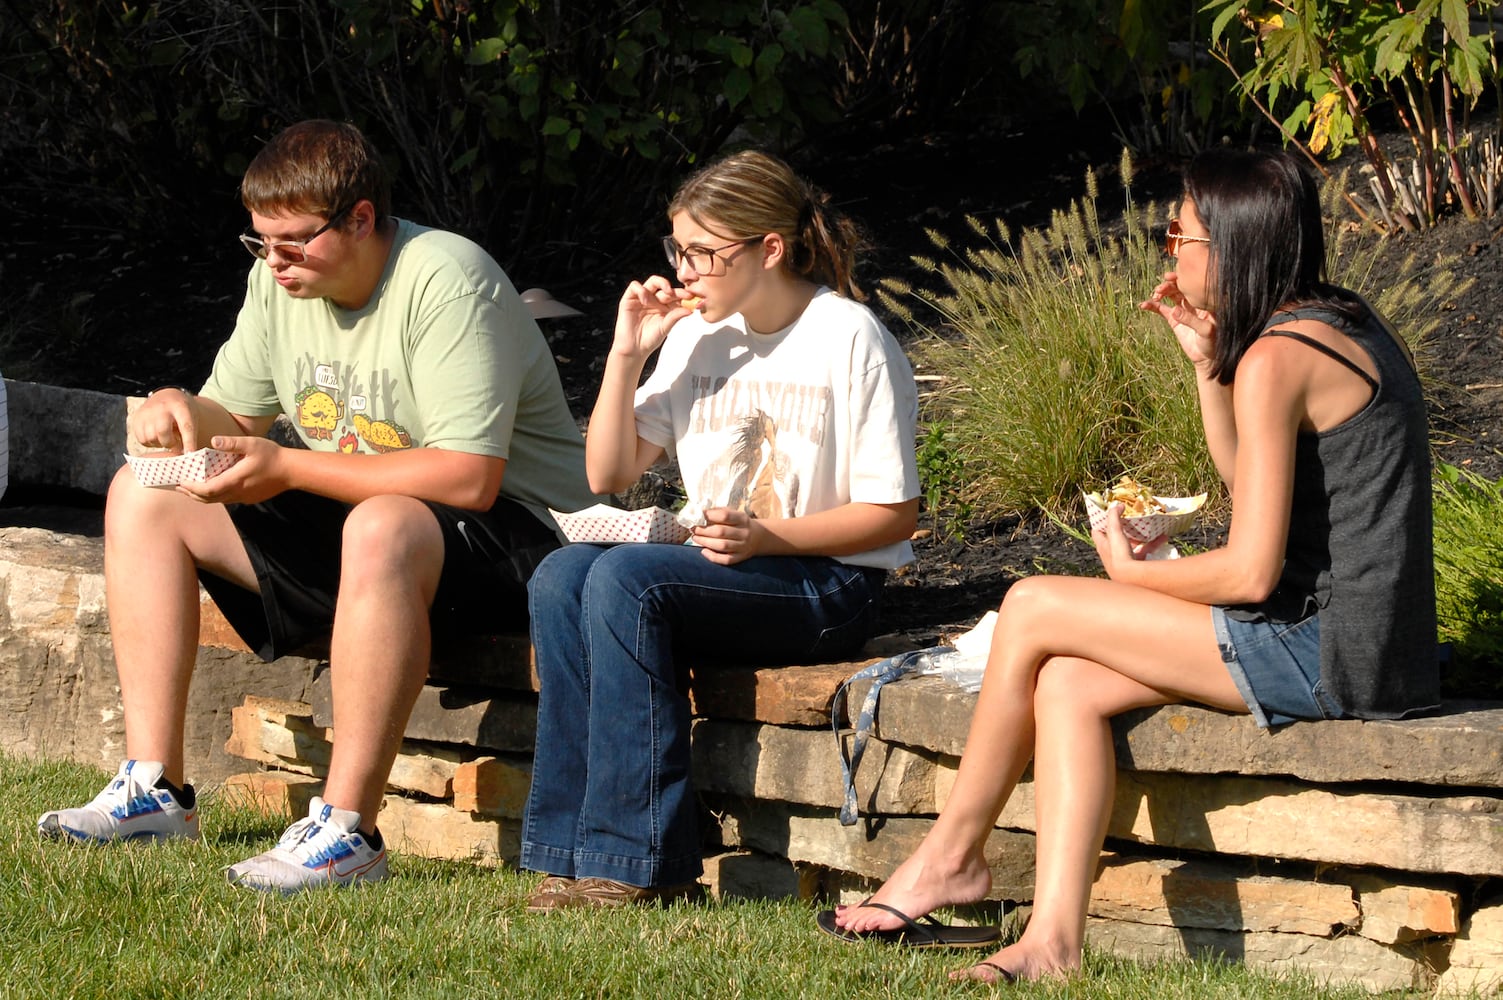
{"x": 1320, "y": 605}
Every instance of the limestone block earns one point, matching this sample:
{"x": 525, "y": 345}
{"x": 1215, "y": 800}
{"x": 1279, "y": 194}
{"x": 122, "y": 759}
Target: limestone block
{"x": 1349, "y": 959}
{"x": 1208, "y": 895}
{"x": 487, "y": 721}
{"x": 847, "y": 888}
{"x": 1394, "y": 914}
{"x": 73, "y": 438}
{"x": 58, "y": 690}
{"x": 753, "y": 875}
{"x": 1477, "y": 956}
{"x": 278, "y": 794}
{"x": 53, "y": 583}
{"x": 1258, "y": 817}
{"x": 786, "y": 695}
{"x": 1462, "y": 745}
{"x": 283, "y": 734}
{"x": 791, "y": 696}
{"x": 493, "y": 786}
{"x": 872, "y": 848}
{"x": 214, "y": 629}
{"x": 279, "y": 733}
{"x": 927, "y": 712}
{"x": 425, "y": 768}
{"x": 1265, "y": 817}
{"x": 488, "y": 661}
{"x": 438, "y": 830}
{"x": 803, "y": 766}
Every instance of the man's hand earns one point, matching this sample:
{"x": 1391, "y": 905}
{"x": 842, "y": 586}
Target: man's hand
{"x": 167, "y": 419}
{"x": 259, "y": 475}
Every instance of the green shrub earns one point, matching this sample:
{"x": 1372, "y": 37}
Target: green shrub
{"x": 1337, "y": 61}
{"x": 1052, "y": 380}
{"x": 943, "y": 475}
{"x": 1469, "y": 580}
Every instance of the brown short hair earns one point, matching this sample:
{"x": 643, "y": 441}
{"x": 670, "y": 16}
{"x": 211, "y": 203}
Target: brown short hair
{"x": 750, "y": 194}
{"x": 318, "y": 167}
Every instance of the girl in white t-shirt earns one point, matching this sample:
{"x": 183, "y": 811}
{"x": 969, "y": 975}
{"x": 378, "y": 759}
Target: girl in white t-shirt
{"x": 791, "y": 412}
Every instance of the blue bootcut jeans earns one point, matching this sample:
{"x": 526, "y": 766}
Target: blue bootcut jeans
{"x": 612, "y": 626}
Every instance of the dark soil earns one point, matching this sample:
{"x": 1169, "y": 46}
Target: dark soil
{"x": 126, "y": 312}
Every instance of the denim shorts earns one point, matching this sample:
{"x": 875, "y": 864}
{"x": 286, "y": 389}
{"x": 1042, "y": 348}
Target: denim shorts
{"x": 1276, "y": 667}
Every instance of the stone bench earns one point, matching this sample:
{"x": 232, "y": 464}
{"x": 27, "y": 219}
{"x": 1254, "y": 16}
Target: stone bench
{"x": 1347, "y": 850}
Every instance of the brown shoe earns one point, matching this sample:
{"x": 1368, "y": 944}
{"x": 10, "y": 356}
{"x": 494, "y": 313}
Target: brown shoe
{"x": 604, "y": 893}
{"x": 551, "y": 894}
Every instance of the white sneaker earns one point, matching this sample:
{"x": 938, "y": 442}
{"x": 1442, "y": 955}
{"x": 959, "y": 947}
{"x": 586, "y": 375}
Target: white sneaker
{"x": 130, "y": 807}
{"x": 324, "y": 849}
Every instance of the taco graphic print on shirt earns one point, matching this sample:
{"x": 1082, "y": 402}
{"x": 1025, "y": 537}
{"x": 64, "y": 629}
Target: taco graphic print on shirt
{"x": 338, "y": 408}
{"x": 317, "y": 413}
{"x": 381, "y": 435}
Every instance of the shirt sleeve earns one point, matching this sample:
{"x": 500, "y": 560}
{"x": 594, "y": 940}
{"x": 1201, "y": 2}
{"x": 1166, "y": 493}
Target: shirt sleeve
{"x": 884, "y": 401}
{"x": 241, "y": 379}
{"x": 469, "y": 357}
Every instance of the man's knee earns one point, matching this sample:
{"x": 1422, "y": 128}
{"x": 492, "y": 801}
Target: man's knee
{"x": 135, "y": 515}
{"x": 128, "y": 502}
{"x": 391, "y": 533}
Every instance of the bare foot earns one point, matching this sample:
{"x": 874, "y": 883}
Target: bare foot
{"x": 1023, "y": 961}
{"x": 917, "y": 887}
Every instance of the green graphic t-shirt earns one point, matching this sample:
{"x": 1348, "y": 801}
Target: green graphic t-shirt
{"x": 445, "y": 355}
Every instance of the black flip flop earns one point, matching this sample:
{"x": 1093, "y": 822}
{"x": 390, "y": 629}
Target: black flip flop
{"x": 925, "y": 932}
{"x": 1002, "y": 976}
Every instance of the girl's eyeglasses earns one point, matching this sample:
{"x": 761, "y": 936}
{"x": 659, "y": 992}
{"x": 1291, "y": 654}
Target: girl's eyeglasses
{"x": 1175, "y": 237}
{"x": 292, "y": 251}
{"x": 701, "y": 259}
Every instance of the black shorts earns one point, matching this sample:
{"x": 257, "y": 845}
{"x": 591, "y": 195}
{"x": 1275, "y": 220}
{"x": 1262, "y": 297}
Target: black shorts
{"x": 294, "y": 542}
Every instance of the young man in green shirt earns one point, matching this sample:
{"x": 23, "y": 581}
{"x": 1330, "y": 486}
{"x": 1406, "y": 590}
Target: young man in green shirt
{"x": 437, "y": 435}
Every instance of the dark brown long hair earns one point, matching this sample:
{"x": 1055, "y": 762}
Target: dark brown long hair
{"x": 1267, "y": 247}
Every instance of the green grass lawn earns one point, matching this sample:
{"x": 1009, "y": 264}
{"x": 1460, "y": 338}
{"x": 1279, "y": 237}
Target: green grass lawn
{"x": 160, "y": 921}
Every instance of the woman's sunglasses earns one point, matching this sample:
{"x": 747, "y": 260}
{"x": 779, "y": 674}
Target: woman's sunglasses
{"x": 1175, "y": 237}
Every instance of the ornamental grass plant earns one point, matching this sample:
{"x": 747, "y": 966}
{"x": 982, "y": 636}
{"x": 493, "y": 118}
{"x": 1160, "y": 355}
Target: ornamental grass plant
{"x": 1469, "y": 580}
{"x": 138, "y": 920}
{"x": 1049, "y": 380}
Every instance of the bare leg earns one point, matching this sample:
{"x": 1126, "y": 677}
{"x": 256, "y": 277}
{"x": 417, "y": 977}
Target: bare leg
{"x": 153, "y": 540}
{"x": 391, "y": 560}
{"x": 1161, "y": 643}
{"x": 1074, "y": 779}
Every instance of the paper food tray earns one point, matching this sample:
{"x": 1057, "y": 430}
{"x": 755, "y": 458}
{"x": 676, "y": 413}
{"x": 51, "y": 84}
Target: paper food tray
{"x": 190, "y": 467}
{"x": 607, "y": 525}
{"x": 1146, "y": 527}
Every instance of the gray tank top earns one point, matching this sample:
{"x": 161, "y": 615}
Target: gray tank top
{"x": 1360, "y": 549}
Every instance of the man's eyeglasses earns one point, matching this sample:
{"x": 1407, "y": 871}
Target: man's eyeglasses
{"x": 1176, "y": 237}
{"x": 291, "y": 251}
{"x": 701, "y": 259}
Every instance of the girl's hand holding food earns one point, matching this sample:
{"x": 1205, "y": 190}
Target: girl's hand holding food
{"x": 1118, "y": 552}
{"x": 647, "y": 311}
{"x": 1195, "y": 328}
